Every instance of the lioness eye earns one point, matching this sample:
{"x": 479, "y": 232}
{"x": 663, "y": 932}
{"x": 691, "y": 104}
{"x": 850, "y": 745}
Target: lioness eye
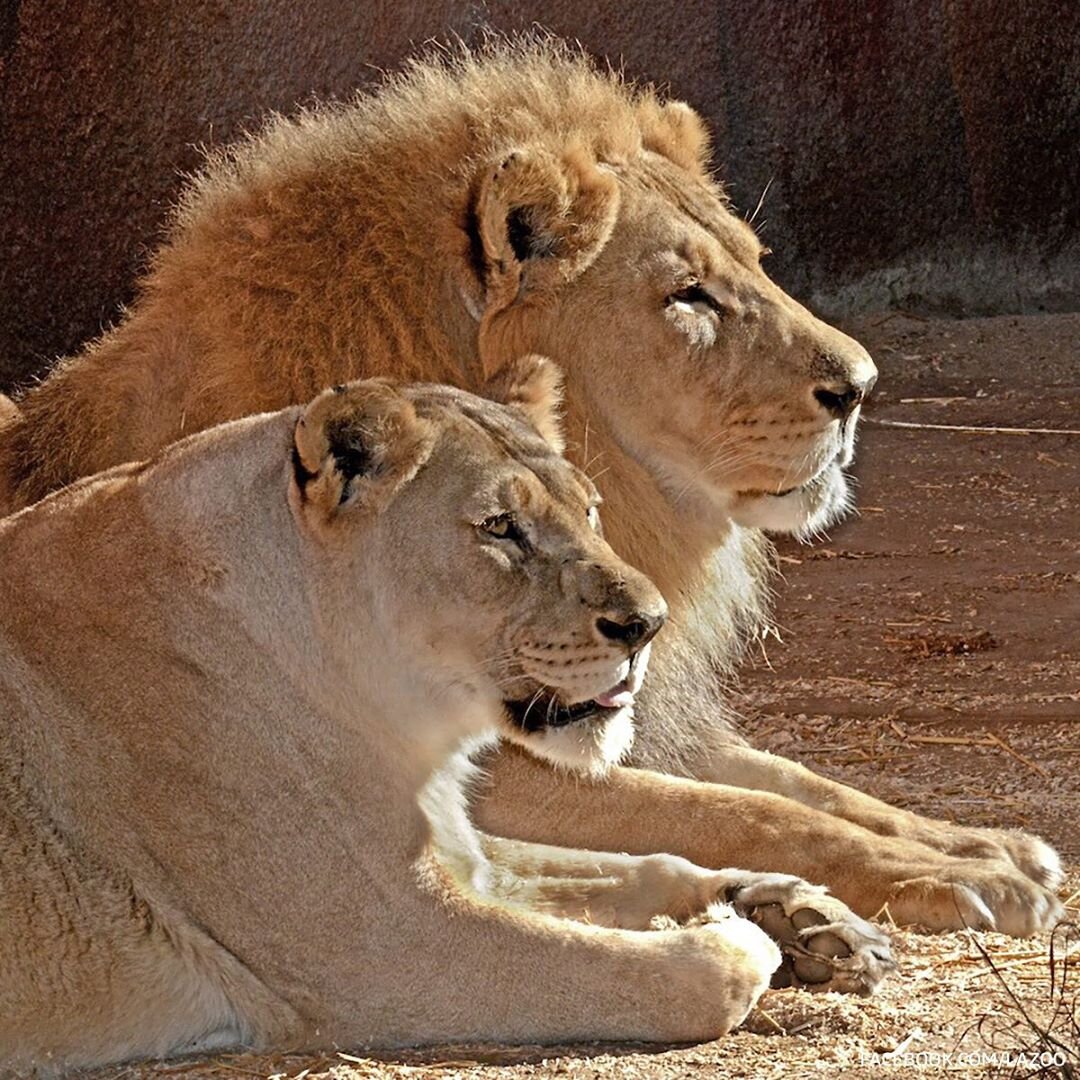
{"x": 504, "y": 527}
{"x": 593, "y": 517}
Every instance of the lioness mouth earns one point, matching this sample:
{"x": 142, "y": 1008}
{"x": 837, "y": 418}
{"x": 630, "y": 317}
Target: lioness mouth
{"x": 544, "y": 710}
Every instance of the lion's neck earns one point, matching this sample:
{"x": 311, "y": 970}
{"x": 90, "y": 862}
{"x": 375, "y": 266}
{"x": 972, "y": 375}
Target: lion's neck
{"x": 714, "y": 576}
{"x": 681, "y": 549}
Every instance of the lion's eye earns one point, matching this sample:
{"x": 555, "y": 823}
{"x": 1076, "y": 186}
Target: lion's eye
{"x": 592, "y": 516}
{"x": 504, "y": 527}
{"x": 695, "y": 295}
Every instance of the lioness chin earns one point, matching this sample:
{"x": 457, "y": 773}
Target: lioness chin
{"x": 513, "y": 201}
{"x": 238, "y": 687}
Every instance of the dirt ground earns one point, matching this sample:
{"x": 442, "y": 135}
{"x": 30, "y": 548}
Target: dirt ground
{"x": 927, "y": 651}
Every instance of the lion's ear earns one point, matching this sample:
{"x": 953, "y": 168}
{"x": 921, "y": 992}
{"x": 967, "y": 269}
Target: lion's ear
{"x": 534, "y": 385}
{"x": 354, "y": 447}
{"x": 676, "y": 131}
{"x": 538, "y": 220}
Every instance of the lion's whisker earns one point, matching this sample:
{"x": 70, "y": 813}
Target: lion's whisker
{"x": 760, "y": 203}
{"x": 703, "y": 471}
{"x": 724, "y": 459}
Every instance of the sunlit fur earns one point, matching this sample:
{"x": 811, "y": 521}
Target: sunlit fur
{"x": 378, "y": 237}
{"x": 237, "y": 687}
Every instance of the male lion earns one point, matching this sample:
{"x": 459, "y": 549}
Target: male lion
{"x": 233, "y": 683}
{"x": 514, "y": 201}
{"x": 8, "y": 411}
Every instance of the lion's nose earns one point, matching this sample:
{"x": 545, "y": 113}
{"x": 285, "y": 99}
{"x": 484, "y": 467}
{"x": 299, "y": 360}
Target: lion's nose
{"x": 635, "y": 631}
{"x": 844, "y": 377}
{"x": 841, "y": 398}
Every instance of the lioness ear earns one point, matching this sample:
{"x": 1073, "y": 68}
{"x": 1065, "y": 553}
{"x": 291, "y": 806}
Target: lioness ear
{"x": 534, "y": 385}
{"x": 354, "y": 447}
{"x": 539, "y": 220}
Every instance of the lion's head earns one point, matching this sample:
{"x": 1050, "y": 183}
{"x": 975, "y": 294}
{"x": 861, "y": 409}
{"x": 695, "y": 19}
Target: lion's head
{"x": 617, "y": 254}
{"x": 508, "y": 201}
{"x": 490, "y": 560}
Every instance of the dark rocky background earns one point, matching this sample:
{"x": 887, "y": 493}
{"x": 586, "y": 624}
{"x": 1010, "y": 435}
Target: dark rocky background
{"x": 923, "y": 154}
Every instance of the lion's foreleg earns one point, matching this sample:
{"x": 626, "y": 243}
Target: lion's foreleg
{"x": 741, "y": 766}
{"x": 717, "y": 826}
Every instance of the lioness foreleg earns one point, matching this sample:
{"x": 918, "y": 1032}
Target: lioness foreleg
{"x": 826, "y": 946}
{"x": 506, "y": 975}
{"x": 604, "y": 888}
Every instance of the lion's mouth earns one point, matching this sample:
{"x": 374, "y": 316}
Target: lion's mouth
{"x": 814, "y": 481}
{"x": 758, "y": 493}
{"x": 544, "y": 710}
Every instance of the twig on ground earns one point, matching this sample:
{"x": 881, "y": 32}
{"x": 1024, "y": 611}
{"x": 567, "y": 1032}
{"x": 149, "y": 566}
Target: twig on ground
{"x": 1034, "y": 766}
{"x": 971, "y": 428}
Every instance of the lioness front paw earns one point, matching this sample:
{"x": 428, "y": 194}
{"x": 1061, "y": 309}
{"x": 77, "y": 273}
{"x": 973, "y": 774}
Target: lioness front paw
{"x": 979, "y": 894}
{"x": 825, "y": 945}
{"x": 721, "y": 964}
{"x": 757, "y": 957}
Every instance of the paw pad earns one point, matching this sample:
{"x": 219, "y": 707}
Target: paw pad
{"x": 824, "y": 946}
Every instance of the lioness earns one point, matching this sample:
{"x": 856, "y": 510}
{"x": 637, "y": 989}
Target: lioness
{"x": 514, "y": 201}
{"x": 231, "y": 682}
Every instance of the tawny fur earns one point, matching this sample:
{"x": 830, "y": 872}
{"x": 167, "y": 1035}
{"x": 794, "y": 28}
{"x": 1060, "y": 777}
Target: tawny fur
{"x": 481, "y": 207}
{"x": 354, "y": 241}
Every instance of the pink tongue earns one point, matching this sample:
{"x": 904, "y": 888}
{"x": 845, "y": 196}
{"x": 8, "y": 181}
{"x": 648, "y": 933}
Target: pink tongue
{"x": 615, "y": 698}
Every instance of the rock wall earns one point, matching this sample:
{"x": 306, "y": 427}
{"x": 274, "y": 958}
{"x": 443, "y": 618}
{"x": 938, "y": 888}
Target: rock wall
{"x": 922, "y": 154}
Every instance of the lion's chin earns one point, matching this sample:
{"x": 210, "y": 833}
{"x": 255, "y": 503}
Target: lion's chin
{"x": 588, "y": 746}
{"x": 802, "y": 511}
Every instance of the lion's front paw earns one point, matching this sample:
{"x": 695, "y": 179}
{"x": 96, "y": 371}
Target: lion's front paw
{"x": 979, "y": 894}
{"x": 1031, "y": 856}
{"x": 1034, "y": 857}
{"x": 825, "y": 945}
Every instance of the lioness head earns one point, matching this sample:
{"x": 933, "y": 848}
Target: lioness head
{"x": 488, "y": 542}
{"x": 614, "y": 252}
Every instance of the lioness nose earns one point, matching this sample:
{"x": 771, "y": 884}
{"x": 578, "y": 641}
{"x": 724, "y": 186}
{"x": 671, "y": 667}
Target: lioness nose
{"x": 840, "y": 399}
{"x": 636, "y": 631}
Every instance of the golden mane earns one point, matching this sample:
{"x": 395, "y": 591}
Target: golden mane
{"x": 455, "y": 106}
